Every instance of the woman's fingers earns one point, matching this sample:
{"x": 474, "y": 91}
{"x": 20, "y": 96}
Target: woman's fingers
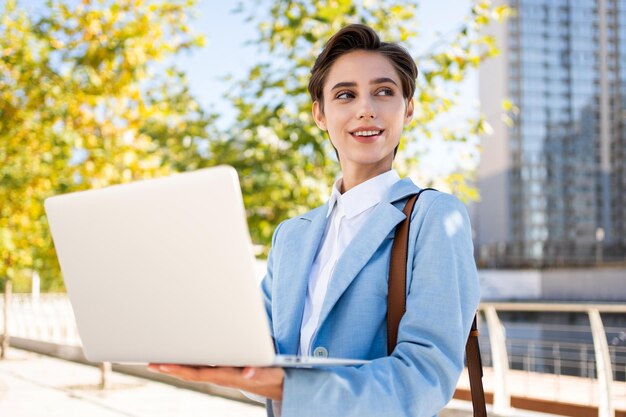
{"x": 187, "y": 373}
{"x": 248, "y": 373}
{"x": 221, "y": 375}
{"x": 263, "y": 376}
{"x": 225, "y": 376}
{"x": 264, "y": 381}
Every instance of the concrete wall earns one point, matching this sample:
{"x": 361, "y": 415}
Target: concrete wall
{"x": 580, "y": 284}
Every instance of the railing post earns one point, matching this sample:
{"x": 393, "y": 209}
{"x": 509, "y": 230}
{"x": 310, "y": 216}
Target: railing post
{"x": 105, "y": 374}
{"x": 4, "y": 344}
{"x": 603, "y": 364}
{"x": 500, "y": 359}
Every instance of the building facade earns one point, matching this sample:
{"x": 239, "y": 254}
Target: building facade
{"x": 552, "y": 178}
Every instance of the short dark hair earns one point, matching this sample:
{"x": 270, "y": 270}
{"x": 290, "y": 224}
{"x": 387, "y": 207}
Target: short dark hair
{"x": 361, "y": 37}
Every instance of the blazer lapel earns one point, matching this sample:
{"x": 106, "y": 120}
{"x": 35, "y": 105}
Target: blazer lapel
{"x": 295, "y": 270}
{"x": 378, "y": 226}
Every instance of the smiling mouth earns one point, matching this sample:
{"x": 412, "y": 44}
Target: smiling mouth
{"x": 367, "y": 133}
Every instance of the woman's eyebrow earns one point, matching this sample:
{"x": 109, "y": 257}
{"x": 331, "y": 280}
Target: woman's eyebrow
{"x": 380, "y": 80}
{"x": 344, "y": 84}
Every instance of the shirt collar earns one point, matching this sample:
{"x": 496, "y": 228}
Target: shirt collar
{"x": 363, "y": 196}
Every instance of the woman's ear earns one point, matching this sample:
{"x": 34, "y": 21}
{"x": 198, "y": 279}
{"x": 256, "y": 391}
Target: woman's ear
{"x": 318, "y": 115}
{"x": 409, "y": 111}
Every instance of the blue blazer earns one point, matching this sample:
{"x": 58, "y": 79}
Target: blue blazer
{"x": 419, "y": 378}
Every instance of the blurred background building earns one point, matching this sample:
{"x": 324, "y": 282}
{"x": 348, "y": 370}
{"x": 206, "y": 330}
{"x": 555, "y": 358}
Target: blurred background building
{"x": 552, "y": 178}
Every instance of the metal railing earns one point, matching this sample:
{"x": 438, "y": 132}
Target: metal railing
{"x": 514, "y": 336}
{"x": 48, "y": 317}
{"x": 560, "y": 348}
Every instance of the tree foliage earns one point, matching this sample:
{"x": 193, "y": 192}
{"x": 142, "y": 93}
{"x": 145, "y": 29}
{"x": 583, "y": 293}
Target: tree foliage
{"x": 87, "y": 102}
{"x": 286, "y": 161}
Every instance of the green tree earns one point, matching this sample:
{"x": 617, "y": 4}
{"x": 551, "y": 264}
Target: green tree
{"x": 87, "y": 101}
{"x": 285, "y": 161}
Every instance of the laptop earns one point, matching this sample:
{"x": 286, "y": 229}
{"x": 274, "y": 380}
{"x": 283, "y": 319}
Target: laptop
{"x": 163, "y": 271}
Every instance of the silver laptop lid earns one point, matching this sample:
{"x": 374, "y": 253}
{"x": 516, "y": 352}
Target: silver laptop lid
{"x": 162, "y": 271}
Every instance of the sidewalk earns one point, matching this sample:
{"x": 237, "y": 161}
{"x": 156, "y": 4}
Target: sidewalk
{"x": 32, "y": 385}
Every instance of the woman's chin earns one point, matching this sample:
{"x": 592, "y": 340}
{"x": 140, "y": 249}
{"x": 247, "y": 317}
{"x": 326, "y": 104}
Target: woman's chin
{"x": 368, "y": 160}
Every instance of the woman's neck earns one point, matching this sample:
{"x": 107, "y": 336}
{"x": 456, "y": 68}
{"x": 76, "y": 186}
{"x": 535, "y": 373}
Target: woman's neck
{"x": 353, "y": 177}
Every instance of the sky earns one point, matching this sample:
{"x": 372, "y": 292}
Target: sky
{"x": 226, "y": 34}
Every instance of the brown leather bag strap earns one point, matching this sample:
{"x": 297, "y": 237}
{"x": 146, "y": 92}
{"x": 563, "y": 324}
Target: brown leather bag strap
{"x": 396, "y": 297}
{"x": 396, "y": 306}
{"x": 475, "y": 371}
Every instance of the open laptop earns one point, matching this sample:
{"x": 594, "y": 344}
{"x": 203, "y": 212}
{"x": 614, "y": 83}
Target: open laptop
{"x": 162, "y": 271}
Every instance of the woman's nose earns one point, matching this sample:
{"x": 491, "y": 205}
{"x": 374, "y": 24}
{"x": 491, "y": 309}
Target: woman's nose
{"x": 366, "y": 109}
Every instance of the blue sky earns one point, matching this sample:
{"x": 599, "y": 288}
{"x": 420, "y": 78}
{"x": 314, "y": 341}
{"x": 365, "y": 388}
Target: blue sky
{"x": 225, "y": 52}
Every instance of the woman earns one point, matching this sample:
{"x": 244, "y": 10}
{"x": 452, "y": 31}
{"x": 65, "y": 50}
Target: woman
{"x": 327, "y": 277}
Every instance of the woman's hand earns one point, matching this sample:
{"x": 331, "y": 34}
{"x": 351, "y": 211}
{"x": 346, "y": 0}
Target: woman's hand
{"x": 267, "y": 382}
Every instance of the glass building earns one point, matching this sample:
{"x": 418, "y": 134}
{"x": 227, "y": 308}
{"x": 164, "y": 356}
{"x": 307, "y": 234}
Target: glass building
{"x": 553, "y": 178}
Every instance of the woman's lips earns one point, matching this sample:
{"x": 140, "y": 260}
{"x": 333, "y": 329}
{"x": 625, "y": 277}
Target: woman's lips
{"x": 367, "y": 139}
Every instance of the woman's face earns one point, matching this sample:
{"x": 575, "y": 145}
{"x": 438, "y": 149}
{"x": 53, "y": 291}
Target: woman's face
{"x": 364, "y": 111}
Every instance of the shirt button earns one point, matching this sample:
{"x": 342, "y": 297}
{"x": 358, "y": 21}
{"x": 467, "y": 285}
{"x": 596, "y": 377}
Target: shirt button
{"x": 320, "y": 352}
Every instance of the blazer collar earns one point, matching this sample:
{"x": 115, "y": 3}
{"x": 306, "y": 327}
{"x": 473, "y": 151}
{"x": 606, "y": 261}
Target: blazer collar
{"x": 381, "y": 223}
{"x": 359, "y": 252}
{"x": 302, "y": 248}
{"x": 288, "y": 302}
{"x": 400, "y": 190}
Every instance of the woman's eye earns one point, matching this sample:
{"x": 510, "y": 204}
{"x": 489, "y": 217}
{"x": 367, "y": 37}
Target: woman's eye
{"x": 385, "y": 92}
{"x": 344, "y": 95}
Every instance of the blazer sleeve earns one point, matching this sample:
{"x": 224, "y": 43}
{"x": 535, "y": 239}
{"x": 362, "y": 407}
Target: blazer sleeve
{"x": 420, "y": 376}
{"x": 268, "y": 279}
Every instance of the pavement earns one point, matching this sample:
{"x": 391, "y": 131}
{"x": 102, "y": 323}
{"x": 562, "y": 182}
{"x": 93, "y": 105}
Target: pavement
{"x": 33, "y": 385}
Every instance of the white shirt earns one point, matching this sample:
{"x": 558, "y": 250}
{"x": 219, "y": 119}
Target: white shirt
{"x": 348, "y": 213}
